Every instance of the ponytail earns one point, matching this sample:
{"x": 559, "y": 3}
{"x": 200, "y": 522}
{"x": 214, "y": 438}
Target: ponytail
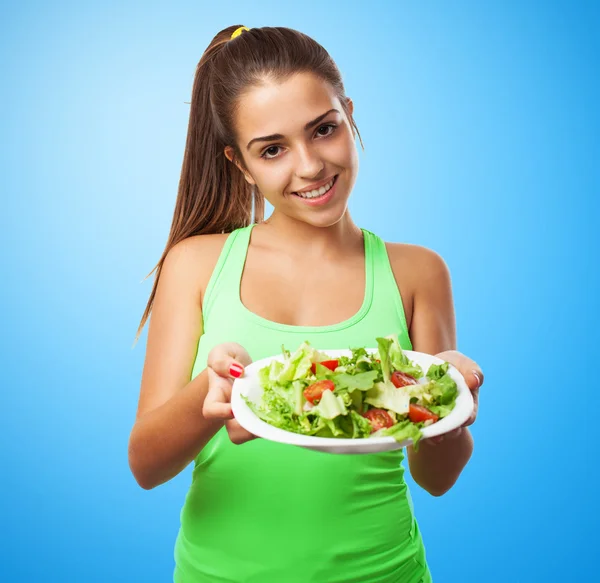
{"x": 213, "y": 195}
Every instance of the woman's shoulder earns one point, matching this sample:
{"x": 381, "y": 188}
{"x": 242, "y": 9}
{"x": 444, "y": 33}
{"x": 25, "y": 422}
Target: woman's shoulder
{"x": 191, "y": 261}
{"x": 197, "y": 250}
{"x": 419, "y": 264}
{"x": 199, "y": 244}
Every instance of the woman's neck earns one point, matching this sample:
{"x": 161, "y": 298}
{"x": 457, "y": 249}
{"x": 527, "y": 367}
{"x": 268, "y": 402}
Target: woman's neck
{"x": 293, "y": 236}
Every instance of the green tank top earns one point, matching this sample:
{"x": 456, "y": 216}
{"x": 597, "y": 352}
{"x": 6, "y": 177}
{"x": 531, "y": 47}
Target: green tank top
{"x": 264, "y": 512}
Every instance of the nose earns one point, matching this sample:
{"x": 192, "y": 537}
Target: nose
{"x": 309, "y": 164}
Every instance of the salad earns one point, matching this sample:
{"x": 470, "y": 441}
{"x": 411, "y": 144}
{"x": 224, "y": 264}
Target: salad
{"x": 381, "y": 393}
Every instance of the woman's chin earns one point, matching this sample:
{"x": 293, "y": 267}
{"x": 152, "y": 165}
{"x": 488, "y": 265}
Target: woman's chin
{"x": 325, "y": 218}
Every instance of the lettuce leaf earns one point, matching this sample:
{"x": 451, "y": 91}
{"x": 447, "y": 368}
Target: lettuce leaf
{"x": 393, "y": 358}
{"x": 444, "y": 390}
{"x": 437, "y": 371}
{"x": 404, "y": 430}
{"x": 330, "y": 406}
{"x": 386, "y": 396}
{"x": 362, "y": 381}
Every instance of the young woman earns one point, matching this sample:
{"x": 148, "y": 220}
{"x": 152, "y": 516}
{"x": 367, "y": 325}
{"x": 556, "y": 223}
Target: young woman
{"x": 270, "y": 120}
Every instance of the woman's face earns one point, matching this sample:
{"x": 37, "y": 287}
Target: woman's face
{"x": 298, "y": 147}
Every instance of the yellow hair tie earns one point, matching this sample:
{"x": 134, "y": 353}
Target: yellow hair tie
{"x": 239, "y": 31}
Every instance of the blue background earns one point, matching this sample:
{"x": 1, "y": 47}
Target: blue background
{"x": 481, "y": 127}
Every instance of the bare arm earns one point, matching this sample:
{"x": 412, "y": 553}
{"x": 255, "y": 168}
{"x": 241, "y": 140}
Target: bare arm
{"x": 170, "y": 428}
{"x": 436, "y": 466}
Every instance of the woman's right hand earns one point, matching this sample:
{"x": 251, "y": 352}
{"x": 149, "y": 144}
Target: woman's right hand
{"x": 225, "y": 363}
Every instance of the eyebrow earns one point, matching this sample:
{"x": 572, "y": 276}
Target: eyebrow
{"x": 280, "y": 136}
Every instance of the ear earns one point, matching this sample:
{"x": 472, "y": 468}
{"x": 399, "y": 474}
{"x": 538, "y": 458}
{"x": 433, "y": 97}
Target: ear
{"x": 350, "y": 114}
{"x": 350, "y": 104}
{"x": 230, "y": 155}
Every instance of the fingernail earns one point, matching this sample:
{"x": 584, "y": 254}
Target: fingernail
{"x": 478, "y": 377}
{"x": 235, "y": 370}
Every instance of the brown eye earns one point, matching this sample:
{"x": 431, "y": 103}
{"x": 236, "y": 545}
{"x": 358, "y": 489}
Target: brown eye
{"x": 326, "y": 130}
{"x": 270, "y": 152}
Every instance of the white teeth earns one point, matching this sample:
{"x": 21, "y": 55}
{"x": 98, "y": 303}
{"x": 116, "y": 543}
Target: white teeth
{"x": 318, "y": 192}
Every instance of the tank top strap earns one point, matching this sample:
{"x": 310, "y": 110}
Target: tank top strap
{"x": 385, "y": 288}
{"x": 224, "y": 283}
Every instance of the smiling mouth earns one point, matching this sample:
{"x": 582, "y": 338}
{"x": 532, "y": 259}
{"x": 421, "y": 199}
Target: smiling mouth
{"x": 318, "y": 192}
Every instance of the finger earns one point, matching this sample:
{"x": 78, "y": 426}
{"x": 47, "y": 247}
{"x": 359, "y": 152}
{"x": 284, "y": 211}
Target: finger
{"x": 473, "y": 415}
{"x": 226, "y": 366}
{"x": 240, "y": 354}
{"x": 468, "y": 368}
{"x": 474, "y": 379}
{"x": 216, "y": 381}
{"x": 229, "y": 359}
{"x": 217, "y": 404}
{"x": 237, "y": 434}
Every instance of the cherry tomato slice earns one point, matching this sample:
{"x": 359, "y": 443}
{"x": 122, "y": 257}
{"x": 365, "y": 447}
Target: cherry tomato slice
{"x": 417, "y": 413}
{"x": 401, "y": 379}
{"x": 378, "y": 418}
{"x": 316, "y": 390}
{"x": 330, "y": 364}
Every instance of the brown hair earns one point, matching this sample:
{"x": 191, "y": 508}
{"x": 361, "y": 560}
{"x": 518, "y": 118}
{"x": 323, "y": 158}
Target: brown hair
{"x": 213, "y": 195}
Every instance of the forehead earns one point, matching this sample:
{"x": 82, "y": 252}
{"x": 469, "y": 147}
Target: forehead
{"x": 283, "y": 107}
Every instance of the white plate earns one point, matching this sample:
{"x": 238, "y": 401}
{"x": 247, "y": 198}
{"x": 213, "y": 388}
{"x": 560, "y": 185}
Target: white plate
{"x": 249, "y": 386}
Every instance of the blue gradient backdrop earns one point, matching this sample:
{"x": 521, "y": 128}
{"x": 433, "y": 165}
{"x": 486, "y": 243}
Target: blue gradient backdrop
{"x": 481, "y": 127}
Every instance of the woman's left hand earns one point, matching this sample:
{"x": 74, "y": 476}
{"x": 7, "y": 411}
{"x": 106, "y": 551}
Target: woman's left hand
{"x": 473, "y": 375}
